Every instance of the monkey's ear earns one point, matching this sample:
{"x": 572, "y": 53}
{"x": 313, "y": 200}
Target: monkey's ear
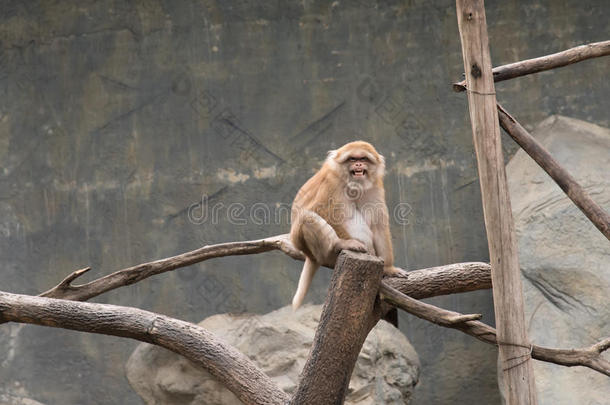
{"x": 381, "y": 166}
{"x": 331, "y": 160}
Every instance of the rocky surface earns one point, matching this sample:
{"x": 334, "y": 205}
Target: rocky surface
{"x": 16, "y": 396}
{"x": 386, "y": 372}
{"x": 565, "y": 260}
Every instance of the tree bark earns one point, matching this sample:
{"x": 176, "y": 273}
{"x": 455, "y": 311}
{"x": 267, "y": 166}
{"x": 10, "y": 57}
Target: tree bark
{"x": 350, "y": 311}
{"x": 559, "y": 59}
{"x": 441, "y": 280}
{"x": 586, "y": 357}
{"x": 505, "y": 272}
{"x": 561, "y": 176}
{"x": 230, "y": 367}
{"x": 141, "y": 271}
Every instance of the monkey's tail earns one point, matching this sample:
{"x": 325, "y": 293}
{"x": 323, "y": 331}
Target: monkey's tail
{"x": 309, "y": 270}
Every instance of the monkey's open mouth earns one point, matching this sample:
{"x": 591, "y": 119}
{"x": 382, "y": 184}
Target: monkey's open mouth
{"x": 358, "y": 173}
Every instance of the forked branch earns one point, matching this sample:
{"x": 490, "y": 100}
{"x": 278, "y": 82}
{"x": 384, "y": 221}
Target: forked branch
{"x": 449, "y": 279}
{"x": 131, "y": 275}
{"x": 587, "y": 357}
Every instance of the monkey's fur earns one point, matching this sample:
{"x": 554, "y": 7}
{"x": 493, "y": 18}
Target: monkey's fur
{"x": 342, "y": 207}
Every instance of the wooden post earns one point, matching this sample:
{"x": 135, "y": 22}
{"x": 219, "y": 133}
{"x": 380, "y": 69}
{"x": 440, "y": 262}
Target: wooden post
{"x": 513, "y": 343}
{"x": 349, "y": 313}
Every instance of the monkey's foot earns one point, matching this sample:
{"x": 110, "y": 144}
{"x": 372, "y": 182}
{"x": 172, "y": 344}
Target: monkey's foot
{"x": 350, "y": 244}
{"x": 391, "y": 271}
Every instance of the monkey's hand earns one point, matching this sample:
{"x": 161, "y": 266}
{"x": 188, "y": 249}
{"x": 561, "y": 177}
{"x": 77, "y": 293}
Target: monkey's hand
{"x": 391, "y": 271}
{"x": 349, "y": 244}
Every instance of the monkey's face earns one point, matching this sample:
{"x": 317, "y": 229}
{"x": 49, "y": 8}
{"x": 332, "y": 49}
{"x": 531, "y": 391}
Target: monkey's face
{"x": 358, "y": 167}
{"x": 361, "y": 167}
{"x": 357, "y": 162}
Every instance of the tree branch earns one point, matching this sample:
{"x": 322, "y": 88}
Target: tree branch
{"x": 443, "y": 280}
{"x": 423, "y": 283}
{"x": 587, "y": 357}
{"x": 450, "y": 279}
{"x": 425, "y": 311}
{"x": 559, "y": 59}
{"x": 230, "y": 367}
{"x": 569, "y": 185}
{"x": 139, "y": 272}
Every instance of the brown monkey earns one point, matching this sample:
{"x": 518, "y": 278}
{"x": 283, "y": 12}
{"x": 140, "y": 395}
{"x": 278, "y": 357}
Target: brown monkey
{"x": 342, "y": 207}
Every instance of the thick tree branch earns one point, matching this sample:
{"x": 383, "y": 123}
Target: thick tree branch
{"x": 230, "y": 367}
{"x": 588, "y": 357}
{"x": 450, "y": 279}
{"x": 443, "y": 280}
{"x": 559, "y": 59}
{"x": 349, "y": 313}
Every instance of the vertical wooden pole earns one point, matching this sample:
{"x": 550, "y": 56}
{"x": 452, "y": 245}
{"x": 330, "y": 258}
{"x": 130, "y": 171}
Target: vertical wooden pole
{"x": 513, "y": 343}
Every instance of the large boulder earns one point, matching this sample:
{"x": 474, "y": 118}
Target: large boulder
{"x": 565, "y": 260}
{"x": 386, "y": 372}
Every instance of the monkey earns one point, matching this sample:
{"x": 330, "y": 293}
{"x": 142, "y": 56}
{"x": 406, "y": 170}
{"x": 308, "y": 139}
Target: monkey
{"x": 342, "y": 207}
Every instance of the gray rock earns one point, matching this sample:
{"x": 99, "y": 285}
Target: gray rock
{"x": 16, "y": 396}
{"x": 565, "y": 260}
{"x": 386, "y": 372}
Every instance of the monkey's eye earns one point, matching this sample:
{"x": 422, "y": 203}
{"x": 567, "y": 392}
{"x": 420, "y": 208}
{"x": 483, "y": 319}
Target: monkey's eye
{"x": 352, "y": 159}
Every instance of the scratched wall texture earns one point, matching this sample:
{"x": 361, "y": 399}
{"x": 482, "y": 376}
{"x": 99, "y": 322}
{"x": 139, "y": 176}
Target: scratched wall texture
{"x": 120, "y": 121}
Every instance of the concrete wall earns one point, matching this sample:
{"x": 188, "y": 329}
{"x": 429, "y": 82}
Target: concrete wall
{"x": 117, "y": 116}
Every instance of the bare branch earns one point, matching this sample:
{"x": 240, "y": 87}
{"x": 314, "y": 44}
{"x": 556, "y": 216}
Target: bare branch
{"x": 425, "y": 311}
{"x": 574, "y": 191}
{"x": 587, "y": 357}
{"x": 139, "y": 272}
{"x": 225, "y": 363}
{"x": 559, "y": 59}
{"x": 453, "y": 278}
{"x": 65, "y": 284}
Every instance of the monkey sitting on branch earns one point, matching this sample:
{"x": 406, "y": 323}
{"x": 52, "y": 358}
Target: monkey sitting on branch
{"x": 342, "y": 207}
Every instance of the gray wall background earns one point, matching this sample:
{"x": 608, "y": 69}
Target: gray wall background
{"x": 117, "y": 116}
